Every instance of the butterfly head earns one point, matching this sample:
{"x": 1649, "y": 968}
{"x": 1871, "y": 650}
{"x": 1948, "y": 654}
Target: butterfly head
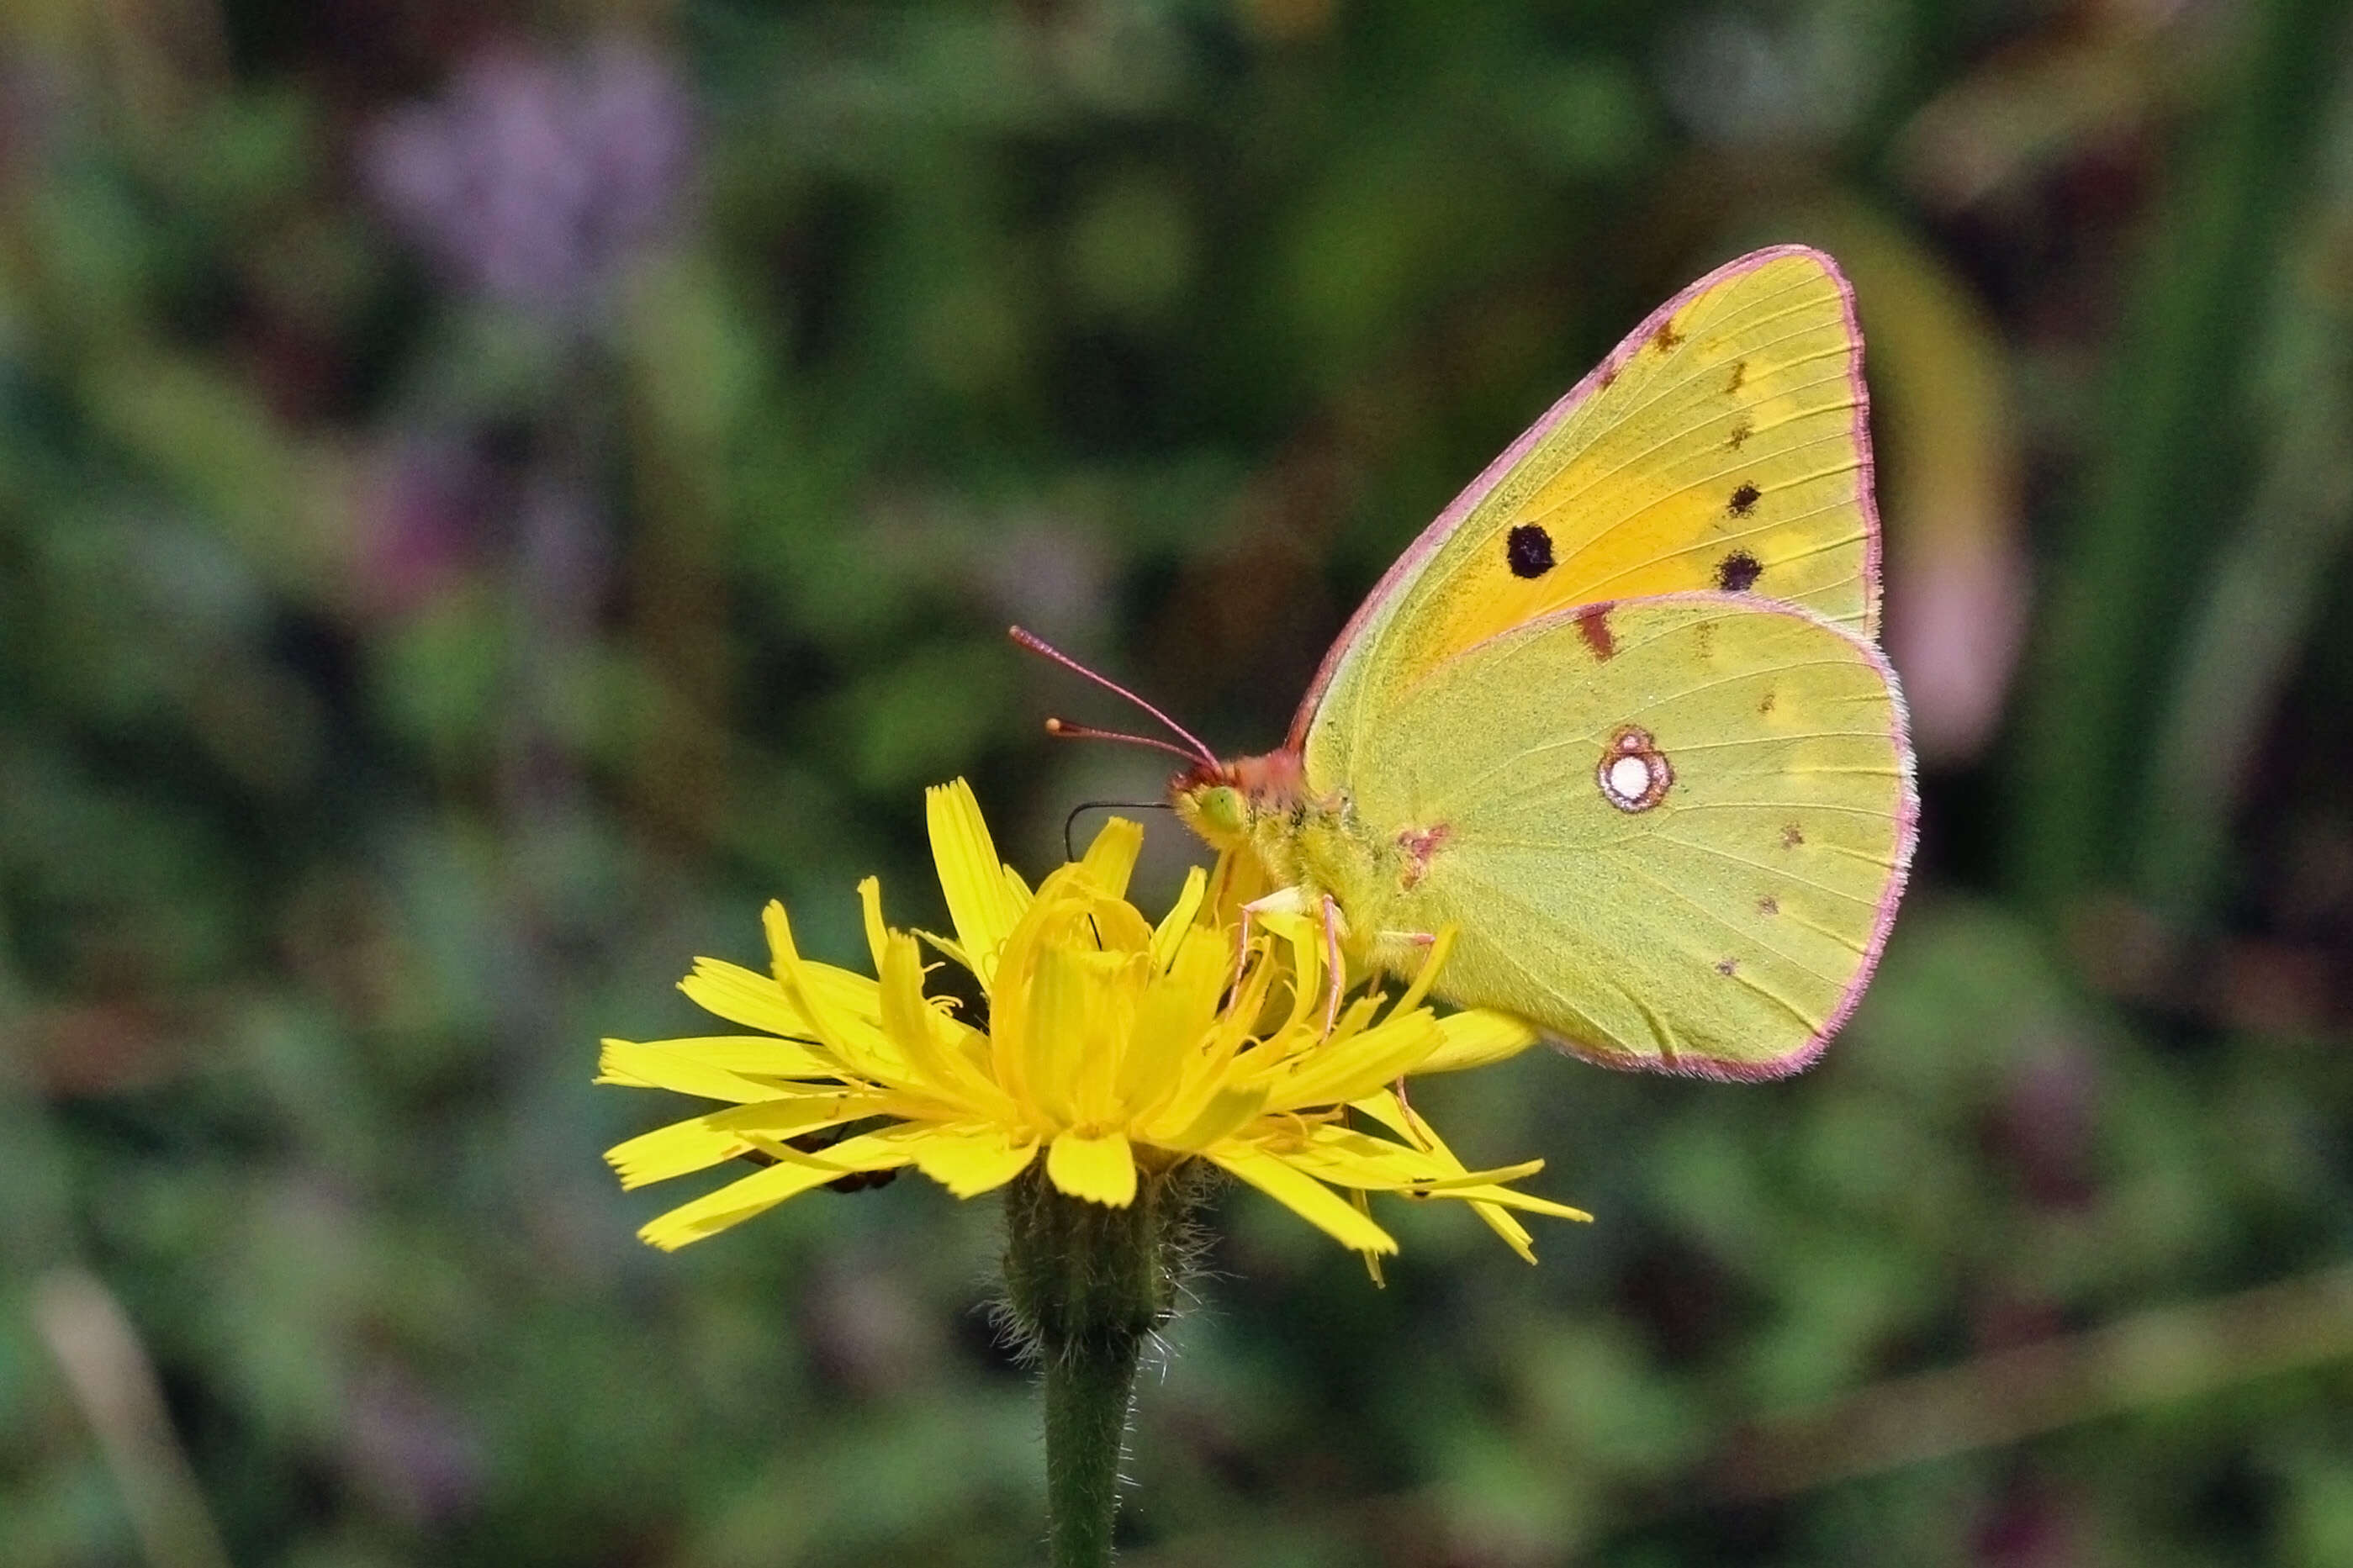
{"x": 1211, "y": 807}
{"x": 1223, "y": 802}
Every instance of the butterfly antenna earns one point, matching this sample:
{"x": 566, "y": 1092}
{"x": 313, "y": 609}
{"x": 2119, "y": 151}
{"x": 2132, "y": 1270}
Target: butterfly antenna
{"x": 1039, "y": 645}
{"x": 1070, "y": 848}
{"x": 1063, "y": 730}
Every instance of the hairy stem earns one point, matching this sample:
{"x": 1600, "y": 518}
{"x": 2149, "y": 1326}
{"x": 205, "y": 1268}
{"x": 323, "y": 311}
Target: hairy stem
{"x": 1088, "y": 1285}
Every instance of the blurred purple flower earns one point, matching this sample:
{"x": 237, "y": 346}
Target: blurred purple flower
{"x": 414, "y": 1453}
{"x": 532, "y": 177}
{"x": 427, "y": 505}
{"x": 2048, "y": 1125}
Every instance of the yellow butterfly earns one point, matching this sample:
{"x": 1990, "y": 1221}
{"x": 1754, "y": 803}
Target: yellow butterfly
{"x": 1617, "y": 717}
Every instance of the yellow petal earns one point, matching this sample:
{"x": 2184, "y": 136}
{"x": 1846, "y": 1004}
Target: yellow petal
{"x": 1348, "y": 1158}
{"x": 1229, "y": 1112}
{"x": 739, "y": 1201}
{"x": 1351, "y": 1068}
{"x": 1431, "y": 962}
{"x": 1169, "y": 934}
{"x": 1179, "y": 1005}
{"x": 741, "y": 996}
{"x": 1098, "y": 919}
{"x": 1363, "y": 1206}
{"x": 1303, "y": 1196}
{"x": 930, "y": 1041}
{"x": 1516, "y": 1235}
{"x": 947, "y": 949}
{"x": 1386, "y": 1109}
{"x": 982, "y": 904}
{"x": 1234, "y": 880}
{"x": 855, "y": 1036}
{"x": 1054, "y": 1033}
{"x": 1220, "y": 1063}
{"x": 1098, "y": 1169}
{"x": 1512, "y": 1198}
{"x": 1475, "y": 1040}
{"x": 1119, "y": 927}
{"x": 673, "y": 1150}
{"x": 1304, "y": 938}
{"x": 870, "y": 909}
{"x": 704, "y": 1140}
{"x": 1110, "y": 859}
{"x": 973, "y": 1158}
{"x": 754, "y": 1056}
{"x": 651, "y": 1067}
{"x": 1382, "y": 1106}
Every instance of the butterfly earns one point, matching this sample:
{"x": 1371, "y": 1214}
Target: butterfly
{"x": 1617, "y": 718}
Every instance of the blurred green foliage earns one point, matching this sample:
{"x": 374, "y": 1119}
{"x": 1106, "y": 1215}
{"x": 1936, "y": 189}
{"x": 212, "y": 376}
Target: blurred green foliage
{"x": 492, "y": 493}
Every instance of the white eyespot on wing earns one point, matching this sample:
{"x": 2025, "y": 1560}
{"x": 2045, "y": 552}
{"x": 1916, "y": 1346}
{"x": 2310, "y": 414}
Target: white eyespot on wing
{"x": 1633, "y": 774}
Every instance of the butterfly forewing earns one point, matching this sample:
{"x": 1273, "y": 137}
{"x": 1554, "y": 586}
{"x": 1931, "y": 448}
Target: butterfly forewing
{"x": 1670, "y": 831}
{"x": 1722, "y": 445}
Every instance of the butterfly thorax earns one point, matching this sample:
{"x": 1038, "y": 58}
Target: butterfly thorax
{"x": 1307, "y": 839}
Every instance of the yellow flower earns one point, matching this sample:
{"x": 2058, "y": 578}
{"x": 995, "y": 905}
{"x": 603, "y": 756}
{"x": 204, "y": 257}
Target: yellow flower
{"x": 1113, "y": 1046}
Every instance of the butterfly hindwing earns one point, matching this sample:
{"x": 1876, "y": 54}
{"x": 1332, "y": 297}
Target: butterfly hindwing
{"x": 1716, "y": 903}
{"x": 1721, "y": 446}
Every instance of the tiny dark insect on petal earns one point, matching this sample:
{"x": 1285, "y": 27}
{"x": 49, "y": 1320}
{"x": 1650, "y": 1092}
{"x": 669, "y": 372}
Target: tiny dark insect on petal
{"x": 1744, "y": 500}
{"x": 1527, "y": 550}
{"x": 1737, "y": 572}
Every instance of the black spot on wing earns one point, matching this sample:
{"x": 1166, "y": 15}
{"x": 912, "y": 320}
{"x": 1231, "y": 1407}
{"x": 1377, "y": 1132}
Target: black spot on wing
{"x": 1527, "y": 550}
{"x": 1737, "y": 572}
{"x": 1744, "y": 500}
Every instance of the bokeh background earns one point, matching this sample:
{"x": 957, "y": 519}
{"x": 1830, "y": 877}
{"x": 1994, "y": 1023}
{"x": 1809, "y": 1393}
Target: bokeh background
{"x": 492, "y": 493}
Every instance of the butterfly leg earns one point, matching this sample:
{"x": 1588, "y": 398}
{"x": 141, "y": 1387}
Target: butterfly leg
{"x": 1338, "y": 979}
{"x": 1420, "y": 939}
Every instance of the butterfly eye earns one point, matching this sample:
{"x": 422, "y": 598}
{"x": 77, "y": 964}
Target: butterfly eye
{"x": 1633, "y": 774}
{"x": 1221, "y": 808}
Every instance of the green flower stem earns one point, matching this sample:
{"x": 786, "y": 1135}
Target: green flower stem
{"x": 1088, "y": 1285}
{"x": 1087, "y": 1401}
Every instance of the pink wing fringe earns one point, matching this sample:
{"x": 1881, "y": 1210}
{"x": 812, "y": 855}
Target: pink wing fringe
{"x": 1476, "y": 490}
